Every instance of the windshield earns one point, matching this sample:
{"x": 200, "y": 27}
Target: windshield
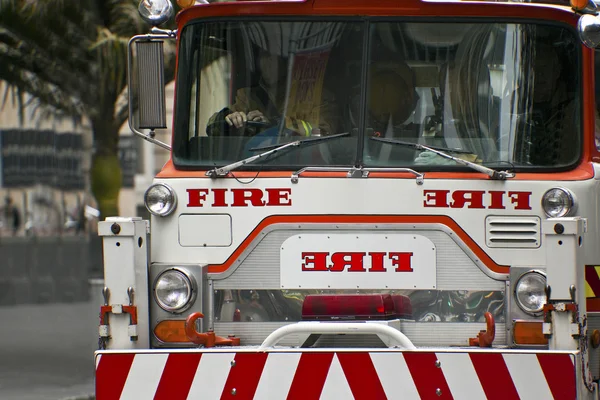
{"x": 504, "y": 95}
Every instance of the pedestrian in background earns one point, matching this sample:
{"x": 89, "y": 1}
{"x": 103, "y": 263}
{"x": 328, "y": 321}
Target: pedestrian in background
{"x": 12, "y": 216}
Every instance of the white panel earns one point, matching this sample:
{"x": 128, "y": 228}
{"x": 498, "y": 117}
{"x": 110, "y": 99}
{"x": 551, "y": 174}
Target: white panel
{"x": 379, "y": 261}
{"x": 144, "y": 376}
{"x": 205, "y": 230}
{"x": 336, "y": 385}
{"x": 211, "y": 376}
{"x": 461, "y": 376}
{"x": 527, "y": 375}
{"x": 394, "y": 375}
{"x": 277, "y": 376}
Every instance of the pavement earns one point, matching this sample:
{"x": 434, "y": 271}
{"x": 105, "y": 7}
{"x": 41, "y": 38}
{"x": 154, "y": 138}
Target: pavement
{"x": 47, "y": 351}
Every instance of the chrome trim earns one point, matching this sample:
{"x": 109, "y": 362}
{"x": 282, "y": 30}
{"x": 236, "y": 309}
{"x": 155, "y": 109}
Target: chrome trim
{"x": 346, "y": 227}
{"x": 192, "y": 291}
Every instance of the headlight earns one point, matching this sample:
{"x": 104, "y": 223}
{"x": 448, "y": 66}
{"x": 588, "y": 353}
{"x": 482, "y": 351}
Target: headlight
{"x": 558, "y": 202}
{"x": 160, "y": 199}
{"x": 173, "y": 290}
{"x": 530, "y": 292}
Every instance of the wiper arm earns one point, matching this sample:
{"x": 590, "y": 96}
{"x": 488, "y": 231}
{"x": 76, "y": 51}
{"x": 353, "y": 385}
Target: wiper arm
{"x": 499, "y": 175}
{"x": 271, "y": 149}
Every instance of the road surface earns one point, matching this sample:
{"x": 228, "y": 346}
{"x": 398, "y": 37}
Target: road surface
{"x": 46, "y": 351}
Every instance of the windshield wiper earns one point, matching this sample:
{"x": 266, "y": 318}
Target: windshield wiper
{"x": 271, "y": 149}
{"x": 499, "y": 175}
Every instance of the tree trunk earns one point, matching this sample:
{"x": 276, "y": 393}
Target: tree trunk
{"x": 105, "y": 175}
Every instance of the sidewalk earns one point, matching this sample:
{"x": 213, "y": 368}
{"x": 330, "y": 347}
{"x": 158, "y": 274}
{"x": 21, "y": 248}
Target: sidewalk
{"x": 46, "y": 351}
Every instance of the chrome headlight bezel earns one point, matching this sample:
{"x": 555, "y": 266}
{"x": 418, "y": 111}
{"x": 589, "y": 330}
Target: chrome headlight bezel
{"x": 529, "y": 310}
{"x": 569, "y": 206}
{"x": 191, "y": 290}
{"x": 170, "y": 203}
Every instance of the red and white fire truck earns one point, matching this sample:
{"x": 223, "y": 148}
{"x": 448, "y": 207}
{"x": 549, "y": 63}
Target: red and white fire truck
{"x": 369, "y": 199}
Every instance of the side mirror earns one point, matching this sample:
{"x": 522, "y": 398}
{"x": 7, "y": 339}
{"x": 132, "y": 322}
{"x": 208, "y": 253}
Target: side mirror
{"x": 150, "y": 85}
{"x": 146, "y": 86}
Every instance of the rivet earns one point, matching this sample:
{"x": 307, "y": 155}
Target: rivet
{"x": 438, "y": 364}
{"x": 438, "y": 391}
{"x": 233, "y": 391}
{"x": 232, "y": 363}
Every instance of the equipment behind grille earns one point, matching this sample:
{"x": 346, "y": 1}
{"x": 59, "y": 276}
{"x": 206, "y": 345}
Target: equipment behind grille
{"x": 513, "y": 232}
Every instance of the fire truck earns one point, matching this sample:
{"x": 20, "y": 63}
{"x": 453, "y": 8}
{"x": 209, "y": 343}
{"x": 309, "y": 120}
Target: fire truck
{"x": 366, "y": 199}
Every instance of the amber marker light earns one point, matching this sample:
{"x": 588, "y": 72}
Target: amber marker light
{"x": 529, "y": 333}
{"x": 171, "y": 331}
{"x": 595, "y": 339}
{"x": 185, "y": 3}
{"x": 579, "y": 5}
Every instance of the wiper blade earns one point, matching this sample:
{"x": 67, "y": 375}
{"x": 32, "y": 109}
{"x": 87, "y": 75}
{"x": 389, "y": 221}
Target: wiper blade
{"x": 499, "y": 175}
{"x": 271, "y": 149}
{"x": 304, "y": 142}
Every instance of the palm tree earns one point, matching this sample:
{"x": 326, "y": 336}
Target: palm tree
{"x": 71, "y": 57}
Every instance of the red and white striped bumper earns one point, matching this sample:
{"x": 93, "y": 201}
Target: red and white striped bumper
{"x": 310, "y": 375}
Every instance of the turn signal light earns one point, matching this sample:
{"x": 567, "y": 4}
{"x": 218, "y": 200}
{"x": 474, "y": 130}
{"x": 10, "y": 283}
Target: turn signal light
{"x": 529, "y": 333}
{"x": 171, "y": 331}
{"x": 185, "y": 3}
{"x": 356, "y": 307}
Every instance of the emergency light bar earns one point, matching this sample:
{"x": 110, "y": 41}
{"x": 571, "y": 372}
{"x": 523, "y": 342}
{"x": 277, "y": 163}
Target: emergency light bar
{"x": 356, "y": 307}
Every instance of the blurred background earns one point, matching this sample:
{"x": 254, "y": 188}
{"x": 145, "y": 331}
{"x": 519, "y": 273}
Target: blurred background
{"x": 67, "y": 160}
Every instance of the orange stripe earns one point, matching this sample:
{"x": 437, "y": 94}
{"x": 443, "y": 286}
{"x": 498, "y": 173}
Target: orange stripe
{"x": 361, "y": 219}
{"x": 582, "y": 172}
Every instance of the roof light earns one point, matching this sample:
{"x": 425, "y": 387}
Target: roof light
{"x": 356, "y": 307}
{"x": 185, "y": 3}
{"x": 155, "y": 12}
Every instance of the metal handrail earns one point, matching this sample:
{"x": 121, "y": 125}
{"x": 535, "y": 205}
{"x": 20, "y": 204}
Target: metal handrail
{"x": 398, "y": 339}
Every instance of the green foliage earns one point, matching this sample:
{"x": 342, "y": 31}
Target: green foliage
{"x": 70, "y": 56}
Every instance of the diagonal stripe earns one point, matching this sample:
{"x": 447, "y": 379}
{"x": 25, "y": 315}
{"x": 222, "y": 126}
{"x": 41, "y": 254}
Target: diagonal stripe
{"x": 527, "y": 376}
{"x": 361, "y": 376}
{"x": 560, "y": 375}
{"x": 310, "y": 376}
{"x": 277, "y": 376}
{"x": 111, "y": 375}
{"x": 394, "y": 375}
{"x": 494, "y": 376}
{"x": 244, "y": 376}
{"x": 592, "y": 279}
{"x": 144, "y": 376}
{"x": 211, "y": 375}
{"x": 428, "y": 378}
{"x": 336, "y": 385}
{"x": 177, "y": 377}
{"x": 461, "y": 376}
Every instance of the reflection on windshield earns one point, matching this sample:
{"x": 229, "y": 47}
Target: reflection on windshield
{"x": 502, "y": 95}
{"x": 427, "y": 305}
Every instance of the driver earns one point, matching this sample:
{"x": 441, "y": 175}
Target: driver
{"x": 265, "y": 102}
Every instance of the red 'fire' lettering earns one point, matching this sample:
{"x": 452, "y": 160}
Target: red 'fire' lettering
{"x": 492, "y": 199}
{"x": 342, "y": 260}
{"x": 240, "y": 197}
{"x": 521, "y": 199}
{"x": 377, "y": 262}
{"x": 279, "y": 197}
{"x": 401, "y": 261}
{"x": 196, "y": 197}
{"x": 354, "y": 261}
{"x": 317, "y": 260}
{"x": 473, "y": 197}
